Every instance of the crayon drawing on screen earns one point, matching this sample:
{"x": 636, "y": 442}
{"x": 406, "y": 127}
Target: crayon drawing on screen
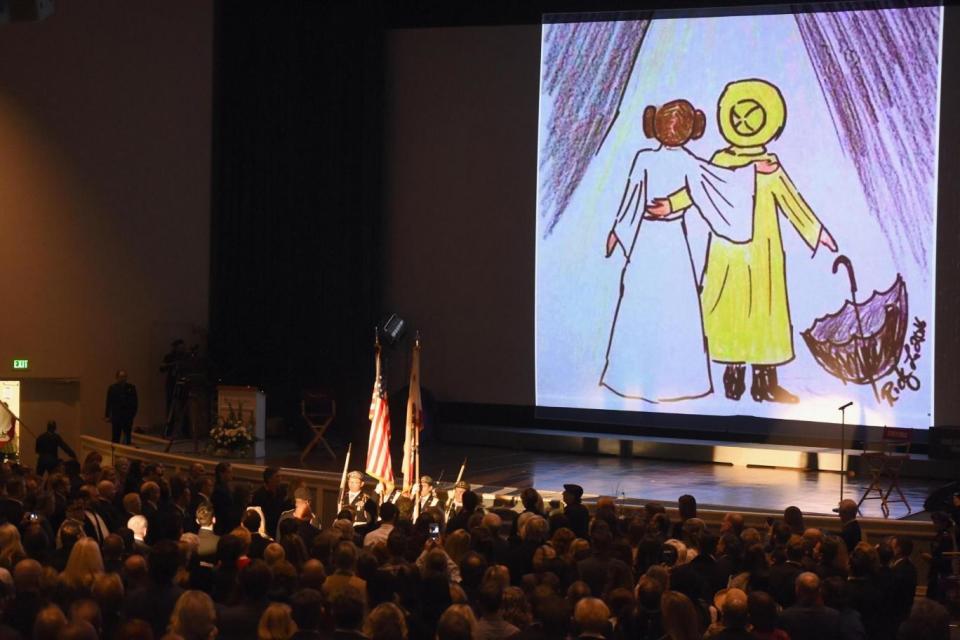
{"x": 736, "y": 214}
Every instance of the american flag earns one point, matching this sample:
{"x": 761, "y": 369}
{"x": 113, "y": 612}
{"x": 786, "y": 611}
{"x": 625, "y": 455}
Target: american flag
{"x": 414, "y": 422}
{"x": 379, "y": 463}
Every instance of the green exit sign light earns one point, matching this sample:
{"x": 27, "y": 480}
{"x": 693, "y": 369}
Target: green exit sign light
{"x": 21, "y": 364}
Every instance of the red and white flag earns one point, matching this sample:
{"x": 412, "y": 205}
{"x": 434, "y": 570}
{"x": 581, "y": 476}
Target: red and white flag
{"x": 379, "y": 463}
{"x": 8, "y": 424}
{"x": 414, "y": 423}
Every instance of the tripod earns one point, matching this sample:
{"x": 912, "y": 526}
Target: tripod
{"x": 177, "y": 416}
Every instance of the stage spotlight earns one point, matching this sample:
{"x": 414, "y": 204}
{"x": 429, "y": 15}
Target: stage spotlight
{"x": 393, "y": 329}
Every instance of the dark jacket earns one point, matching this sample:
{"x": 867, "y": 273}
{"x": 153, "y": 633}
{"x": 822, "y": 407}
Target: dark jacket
{"x": 811, "y": 623}
{"x": 121, "y": 402}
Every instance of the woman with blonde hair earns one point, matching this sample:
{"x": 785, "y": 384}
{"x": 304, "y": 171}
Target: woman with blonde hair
{"x": 276, "y": 623}
{"x": 679, "y": 617}
{"x": 11, "y": 549}
{"x": 84, "y": 565}
{"x": 386, "y": 622}
{"x": 194, "y": 617}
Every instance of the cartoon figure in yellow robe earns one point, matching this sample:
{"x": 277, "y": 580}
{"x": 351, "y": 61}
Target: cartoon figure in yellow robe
{"x": 746, "y": 311}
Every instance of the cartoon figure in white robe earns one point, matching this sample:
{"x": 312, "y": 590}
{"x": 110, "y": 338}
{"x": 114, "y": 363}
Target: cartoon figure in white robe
{"x": 657, "y": 349}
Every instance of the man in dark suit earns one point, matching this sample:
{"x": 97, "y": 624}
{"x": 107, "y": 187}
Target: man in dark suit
{"x": 222, "y": 499}
{"x": 154, "y": 602}
{"x": 578, "y": 517}
{"x": 904, "y": 580}
{"x": 783, "y": 576}
{"x": 121, "y": 407}
{"x": 470, "y": 501}
{"x": 104, "y": 505}
{"x": 207, "y": 551}
{"x": 808, "y": 619}
{"x": 602, "y": 571}
{"x": 48, "y": 444}
{"x": 850, "y": 531}
{"x": 271, "y": 497}
{"x": 179, "y": 504}
{"x": 149, "y": 508}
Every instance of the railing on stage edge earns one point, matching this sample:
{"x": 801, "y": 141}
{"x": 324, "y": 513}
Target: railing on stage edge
{"x": 324, "y": 485}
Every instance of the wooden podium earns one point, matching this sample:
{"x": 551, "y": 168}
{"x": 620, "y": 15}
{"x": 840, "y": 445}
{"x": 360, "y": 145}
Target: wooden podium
{"x": 250, "y": 405}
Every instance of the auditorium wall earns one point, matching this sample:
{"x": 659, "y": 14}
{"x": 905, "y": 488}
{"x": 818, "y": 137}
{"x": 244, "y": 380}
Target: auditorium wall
{"x": 105, "y": 125}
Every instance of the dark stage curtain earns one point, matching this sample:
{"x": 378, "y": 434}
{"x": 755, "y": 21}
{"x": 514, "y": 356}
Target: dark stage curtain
{"x": 295, "y": 240}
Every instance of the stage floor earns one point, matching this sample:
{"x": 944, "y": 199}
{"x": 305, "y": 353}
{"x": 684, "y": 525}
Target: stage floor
{"x": 507, "y": 471}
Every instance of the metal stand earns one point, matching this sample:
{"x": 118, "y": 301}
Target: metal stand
{"x": 843, "y": 445}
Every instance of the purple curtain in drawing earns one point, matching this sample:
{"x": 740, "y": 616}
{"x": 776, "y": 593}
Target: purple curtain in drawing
{"x": 586, "y": 68}
{"x": 879, "y": 98}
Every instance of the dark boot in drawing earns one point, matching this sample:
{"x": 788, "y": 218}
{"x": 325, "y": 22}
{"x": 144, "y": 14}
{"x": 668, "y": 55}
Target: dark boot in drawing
{"x": 733, "y": 380}
{"x": 758, "y": 389}
{"x": 775, "y": 391}
{"x": 765, "y": 386}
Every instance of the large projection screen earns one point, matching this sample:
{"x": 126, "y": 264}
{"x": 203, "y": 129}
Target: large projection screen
{"x": 744, "y": 173}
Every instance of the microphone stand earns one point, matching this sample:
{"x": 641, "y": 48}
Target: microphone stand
{"x": 843, "y": 444}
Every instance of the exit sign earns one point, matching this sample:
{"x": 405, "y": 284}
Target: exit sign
{"x": 21, "y": 364}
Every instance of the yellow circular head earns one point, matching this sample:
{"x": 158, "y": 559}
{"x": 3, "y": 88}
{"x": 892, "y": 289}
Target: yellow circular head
{"x": 751, "y": 113}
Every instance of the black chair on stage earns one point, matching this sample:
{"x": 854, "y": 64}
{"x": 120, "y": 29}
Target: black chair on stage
{"x": 884, "y": 466}
{"x": 318, "y": 410}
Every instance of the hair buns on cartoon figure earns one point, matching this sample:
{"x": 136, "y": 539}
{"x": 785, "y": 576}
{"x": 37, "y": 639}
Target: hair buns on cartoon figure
{"x": 674, "y": 124}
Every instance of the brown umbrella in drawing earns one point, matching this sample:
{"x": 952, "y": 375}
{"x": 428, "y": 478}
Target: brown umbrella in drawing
{"x": 861, "y": 343}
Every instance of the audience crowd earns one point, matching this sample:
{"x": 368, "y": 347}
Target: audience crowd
{"x": 127, "y": 551}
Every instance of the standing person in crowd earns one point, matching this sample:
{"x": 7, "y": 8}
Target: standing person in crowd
{"x": 808, "y": 618}
{"x": 48, "y": 444}
{"x": 222, "y": 499}
{"x": 121, "y": 408}
{"x": 903, "y": 588}
{"x": 271, "y": 497}
{"x": 851, "y": 532}
{"x": 578, "y": 517}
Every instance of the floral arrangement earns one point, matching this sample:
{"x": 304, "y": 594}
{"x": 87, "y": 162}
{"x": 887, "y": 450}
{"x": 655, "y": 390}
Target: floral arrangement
{"x": 230, "y": 436}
